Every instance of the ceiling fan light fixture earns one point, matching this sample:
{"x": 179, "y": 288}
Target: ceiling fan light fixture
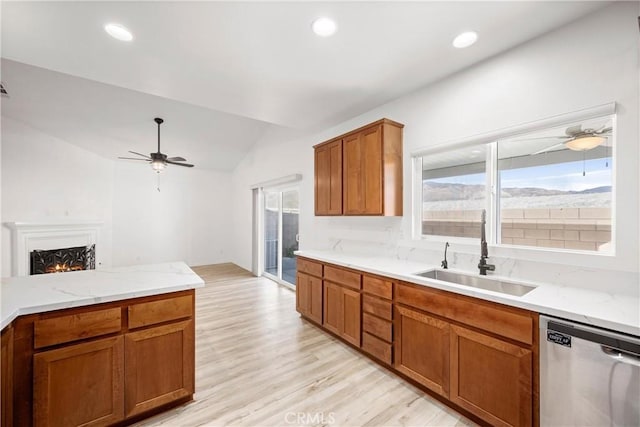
{"x": 158, "y": 165}
{"x": 585, "y": 143}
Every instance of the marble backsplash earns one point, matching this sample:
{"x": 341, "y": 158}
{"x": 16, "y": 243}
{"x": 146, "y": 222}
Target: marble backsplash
{"x": 385, "y": 237}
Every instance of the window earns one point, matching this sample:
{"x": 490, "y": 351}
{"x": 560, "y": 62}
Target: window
{"x": 537, "y": 190}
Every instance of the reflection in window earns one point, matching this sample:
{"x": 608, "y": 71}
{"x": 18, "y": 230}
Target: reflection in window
{"x": 552, "y": 196}
{"x": 454, "y": 192}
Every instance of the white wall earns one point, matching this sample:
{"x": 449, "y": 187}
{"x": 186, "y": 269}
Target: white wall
{"x": 46, "y": 178}
{"x": 188, "y": 219}
{"x": 591, "y": 62}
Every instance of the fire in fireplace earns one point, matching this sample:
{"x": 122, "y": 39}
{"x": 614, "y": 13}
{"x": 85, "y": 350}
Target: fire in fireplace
{"x": 63, "y": 260}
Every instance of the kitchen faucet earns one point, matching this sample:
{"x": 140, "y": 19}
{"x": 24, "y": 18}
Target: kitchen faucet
{"x": 484, "y": 251}
{"x": 444, "y": 264}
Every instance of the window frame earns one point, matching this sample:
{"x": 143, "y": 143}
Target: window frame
{"x": 491, "y": 139}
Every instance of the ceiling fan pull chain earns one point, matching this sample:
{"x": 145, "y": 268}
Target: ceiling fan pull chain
{"x": 583, "y": 163}
{"x": 158, "y": 175}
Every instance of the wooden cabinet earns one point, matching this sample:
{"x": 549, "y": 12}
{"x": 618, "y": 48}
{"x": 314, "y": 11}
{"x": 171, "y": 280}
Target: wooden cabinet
{"x": 371, "y": 168}
{"x": 309, "y": 292}
{"x": 422, "y": 349}
{"x": 377, "y": 315}
{"x": 159, "y": 366}
{"x": 342, "y": 312}
{"x": 341, "y": 304}
{"x": 6, "y": 377}
{"x": 491, "y": 378}
{"x": 80, "y": 384}
{"x": 328, "y": 179}
{"x": 100, "y": 365}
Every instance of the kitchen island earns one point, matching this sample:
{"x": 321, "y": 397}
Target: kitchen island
{"x": 97, "y": 347}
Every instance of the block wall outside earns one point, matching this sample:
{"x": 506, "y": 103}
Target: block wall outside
{"x": 564, "y": 228}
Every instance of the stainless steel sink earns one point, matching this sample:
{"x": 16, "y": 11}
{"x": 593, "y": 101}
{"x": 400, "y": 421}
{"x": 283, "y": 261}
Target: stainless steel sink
{"x": 486, "y": 283}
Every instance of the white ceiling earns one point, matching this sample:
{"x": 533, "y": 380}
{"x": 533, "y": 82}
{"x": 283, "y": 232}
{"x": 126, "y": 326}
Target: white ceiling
{"x": 221, "y": 72}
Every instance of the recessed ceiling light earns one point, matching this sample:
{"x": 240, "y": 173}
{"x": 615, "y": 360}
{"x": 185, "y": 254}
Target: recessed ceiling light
{"x": 119, "y": 32}
{"x": 324, "y": 27}
{"x": 465, "y": 39}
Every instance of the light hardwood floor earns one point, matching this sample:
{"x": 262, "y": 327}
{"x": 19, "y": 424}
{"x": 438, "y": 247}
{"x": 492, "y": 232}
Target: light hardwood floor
{"x": 259, "y": 364}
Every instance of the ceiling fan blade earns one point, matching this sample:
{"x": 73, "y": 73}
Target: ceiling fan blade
{"x": 177, "y": 159}
{"x": 542, "y": 138}
{"x": 573, "y": 130}
{"x": 544, "y": 150}
{"x": 179, "y": 164}
{"x": 139, "y": 154}
{"x": 131, "y": 158}
{"x": 604, "y": 130}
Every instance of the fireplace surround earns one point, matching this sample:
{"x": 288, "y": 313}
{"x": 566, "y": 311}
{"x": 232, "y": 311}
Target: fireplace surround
{"x": 27, "y": 237}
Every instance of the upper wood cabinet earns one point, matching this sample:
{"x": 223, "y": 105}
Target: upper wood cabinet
{"x": 328, "y": 178}
{"x": 366, "y": 174}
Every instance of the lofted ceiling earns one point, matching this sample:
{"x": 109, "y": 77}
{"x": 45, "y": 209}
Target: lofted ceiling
{"x": 222, "y": 73}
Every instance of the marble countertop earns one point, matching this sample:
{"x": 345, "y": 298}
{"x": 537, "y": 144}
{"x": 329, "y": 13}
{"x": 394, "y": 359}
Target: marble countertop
{"x": 47, "y": 292}
{"x": 606, "y": 310}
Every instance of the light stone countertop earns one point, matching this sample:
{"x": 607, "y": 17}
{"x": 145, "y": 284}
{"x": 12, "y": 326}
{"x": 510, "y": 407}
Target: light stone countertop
{"x": 597, "y": 308}
{"x": 46, "y": 292}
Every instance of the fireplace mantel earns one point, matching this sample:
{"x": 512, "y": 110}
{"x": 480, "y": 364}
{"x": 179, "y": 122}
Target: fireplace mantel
{"x": 29, "y": 236}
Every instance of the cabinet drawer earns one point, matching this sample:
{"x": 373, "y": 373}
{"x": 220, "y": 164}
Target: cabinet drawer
{"x": 506, "y": 321}
{"x": 309, "y": 267}
{"x": 378, "y": 327}
{"x": 150, "y": 313}
{"x": 342, "y": 277}
{"x": 73, "y": 327}
{"x": 379, "y": 287}
{"x": 374, "y": 305}
{"x": 376, "y": 347}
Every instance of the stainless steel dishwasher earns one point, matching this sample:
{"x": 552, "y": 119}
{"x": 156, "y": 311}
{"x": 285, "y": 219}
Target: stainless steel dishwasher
{"x": 588, "y": 376}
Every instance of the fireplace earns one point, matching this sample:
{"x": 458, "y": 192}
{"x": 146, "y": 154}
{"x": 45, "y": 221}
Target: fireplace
{"x": 44, "y": 240}
{"x": 63, "y": 260}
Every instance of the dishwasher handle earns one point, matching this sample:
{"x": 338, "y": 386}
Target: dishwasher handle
{"x": 621, "y": 356}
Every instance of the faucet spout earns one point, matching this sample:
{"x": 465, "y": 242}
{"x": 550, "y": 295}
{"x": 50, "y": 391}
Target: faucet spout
{"x": 484, "y": 250}
{"x": 444, "y": 264}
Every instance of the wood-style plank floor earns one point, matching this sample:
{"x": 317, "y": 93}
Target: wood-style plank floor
{"x": 259, "y": 364}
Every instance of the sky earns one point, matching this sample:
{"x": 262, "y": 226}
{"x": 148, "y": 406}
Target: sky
{"x": 559, "y": 176}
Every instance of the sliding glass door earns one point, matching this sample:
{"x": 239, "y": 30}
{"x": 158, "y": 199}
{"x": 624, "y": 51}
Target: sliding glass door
{"x": 280, "y": 219}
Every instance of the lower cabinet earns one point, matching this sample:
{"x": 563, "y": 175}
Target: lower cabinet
{"x": 6, "y": 377}
{"x": 422, "y": 349}
{"x": 491, "y": 378}
{"x": 342, "y": 312}
{"x": 80, "y": 385}
{"x": 159, "y": 366}
{"x": 309, "y": 297}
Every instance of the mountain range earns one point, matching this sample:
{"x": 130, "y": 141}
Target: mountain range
{"x": 434, "y": 191}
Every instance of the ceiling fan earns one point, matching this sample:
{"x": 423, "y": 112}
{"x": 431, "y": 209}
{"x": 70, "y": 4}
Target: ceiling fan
{"x": 579, "y": 139}
{"x": 159, "y": 160}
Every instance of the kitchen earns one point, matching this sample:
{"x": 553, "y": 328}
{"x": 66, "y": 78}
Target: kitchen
{"x": 537, "y": 80}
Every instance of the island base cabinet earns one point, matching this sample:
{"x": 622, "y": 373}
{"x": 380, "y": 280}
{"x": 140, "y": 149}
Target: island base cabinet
{"x": 80, "y": 385}
{"x": 159, "y": 366}
{"x": 422, "y": 349}
{"x": 491, "y": 378}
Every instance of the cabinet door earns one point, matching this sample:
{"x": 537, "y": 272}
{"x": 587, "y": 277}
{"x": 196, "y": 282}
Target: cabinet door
{"x": 315, "y": 299}
{"x": 353, "y": 202}
{"x": 159, "y": 366}
{"x": 302, "y": 294}
{"x": 6, "y": 382}
{"x": 79, "y": 385}
{"x": 491, "y": 378}
{"x": 332, "y": 319}
{"x": 328, "y": 179}
{"x": 351, "y": 324}
{"x": 422, "y": 349}
{"x": 372, "y": 186}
